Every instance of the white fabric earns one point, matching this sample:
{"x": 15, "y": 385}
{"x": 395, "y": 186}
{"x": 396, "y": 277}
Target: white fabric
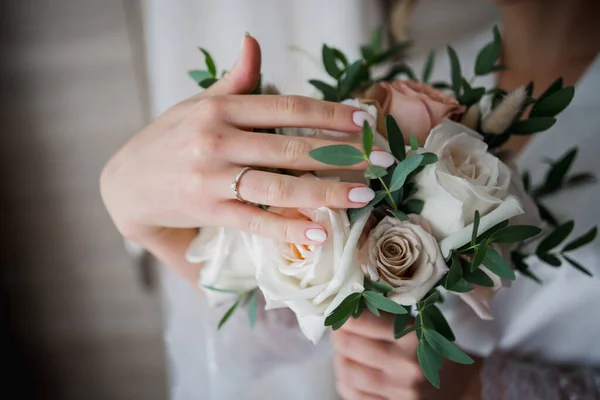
{"x": 554, "y": 321}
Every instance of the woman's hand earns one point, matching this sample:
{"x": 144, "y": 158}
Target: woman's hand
{"x": 175, "y": 174}
{"x": 371, "y": 365}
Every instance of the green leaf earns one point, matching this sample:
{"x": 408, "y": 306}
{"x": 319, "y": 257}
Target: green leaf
{"x": 395, "y": 137}
{"x": 430, "y": 300}
{"x": 341, "y": 57}
{"x": 476, "y": 219}
{"x": 522, "y": 267}
{"x": 214, "y": 289}
{"x": 556, "y": 237}
{"x": 497, "y": 265}
{"x": 479, "y": 256}
{"x": 403, "y": 169}
{"x": 454, "y": 274}
{"x": 330, "y": 62}
{"x": 472, "y": 96}
{"x": 435, "y": 316}
{"x": 376, "y": 40}
{"x": 414, "y": 142}
{"x": 550, "y": 259}
{"x": 399, "y": 215}
{"x": 488, "y": 56}
{"x": 355, "y": 213}
{"x": 351, "y": 78}
{"x": 330, "y": 93}
{"x": 551, "y": 105}
{"x": 228, "y": 314}
{"x": 576, "y": 265}
{"x": 400, "y": 322}
{"x": 404, "y": 332}
{"x": 553, "y": 88}
{"x": 199, "y": 76}
{"x": 341, "y": 322}
{"x": 377, "y": 286}
{"x": 456, "y": 73}
{"x": 428, "y": 68}
{"x": 478, "y": 277}
{"x": 374, "y": 172}
{"x": 580, "y": 179}
{"x": 446, "y": 348}
{"x": 485, "y": 235}
{"x": 441, "y": 86}
{"x": 428, "y": 158}
{"x": 429, "y": 362}
{"x": 366, "y": 52}
{"x": 531, "y": 125}
{"x": 252, "y": 308}
{"x": 345, "y": 309}
{"x": 413, "y": 206}
{"x": 397, "y": 70}
{"x": 389, "y": 53}
{"x": 341, "y": 155}
{"x": 373, "y": 309}
{"x": 462, "y": 286}
{"x": 206, "y": 83}
{"x": 359, "y": 308}
{"x": 546, "y": 215}
{"x": 367, "y": 139}
{"x": 514, "y": 234}
{"x": 210, "y": 64}
{"x": 383, "y": 303}
{"x": 557, "y": 173}
{"x": 581, "y": 240}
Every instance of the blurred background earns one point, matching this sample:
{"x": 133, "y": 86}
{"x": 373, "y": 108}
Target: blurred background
{"x": 79, "y": 317}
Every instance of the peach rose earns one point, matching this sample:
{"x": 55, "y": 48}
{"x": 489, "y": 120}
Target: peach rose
{"x": 417, "y": 107}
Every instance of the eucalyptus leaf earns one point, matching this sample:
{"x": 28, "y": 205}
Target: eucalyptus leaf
{"x": 531, "y": 125}
{"x": 355, "y": 213}
{"x": 228, "y": 314}
{"x": 341, "y": 322}
{"x": 341, "y": 57}
{"x": 375, "y": 172}
{"x": 514, "y": 234}
{"x": 377, "y": 286}
{"x": 330, "y": 62}
{"x": 341, "y": 155}
{"x": 428, "y": 158}
{"x": 359, "y": 308}
{"x": 476, "y": 219}
{"x": 441, "y": 86}
{"x": 487, "y": 58}
{"x": 581, "y": 240}
{"x": 396, "y": 70}
{"x": 553, "y": 88}
{"x": 414, "y": 142}
{"x": 395, "y": 138}
{"x": 551, "y": 105}
{"x": 478, "y": 277}
{"x": 497, "y": 265}
{"x": 351, "y": 78}
{"x": 428, "y": 67}
{"x": 344, "y": 309}
{"x": 577, "y": 265}
{"x": 479, "y": 256}
{"x": 550, "y": 259}
{"x": 403, "y": 169}
{"x": 462, "y": 286}
{"x": 429, "y": 300}
{"x": 413, "y": 206}
{"x": 456, "y": 73}
{"x": 485, "y": 235}
{"x": 446, "y": 348}
{"x": 389, "y": 53}
{"x": 399, "y": 215}
{"x": 400, "y": 322}
{"x": 454, "y": 274}
{"x": 210, "y": 64}
{"x": 582, "y": 178}
{"x": 373, "y": 309}
{"x": 439, "y": 322}
{"x": 377, "y": 39}
{"x": 199, "y": 76}
{"x": 330, "y": 93}
{"x": 522, "y": 267}
{"x": 367, "y": 139}
{"x": 383, "y": 303}
{"x": 214, "y": 289}
{"x": 206, "y": 83}
{"x": 546, "y": 215}
{"x": 428, "y": 360}
{"x": 557, "y": 173}
{"x": 556, "y": 237}
{"x": 404, "y": 332}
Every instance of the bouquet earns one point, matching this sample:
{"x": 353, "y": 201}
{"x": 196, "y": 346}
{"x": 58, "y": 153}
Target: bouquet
{"x": 450, "y": 217}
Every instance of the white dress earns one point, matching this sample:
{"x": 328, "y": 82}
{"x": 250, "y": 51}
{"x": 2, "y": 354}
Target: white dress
{"x": 553, "y": 322}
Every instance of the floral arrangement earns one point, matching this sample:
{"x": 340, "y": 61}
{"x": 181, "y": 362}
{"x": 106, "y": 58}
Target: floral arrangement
{"x": 451, "y": 217}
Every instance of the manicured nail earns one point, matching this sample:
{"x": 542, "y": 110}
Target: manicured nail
{"x": 246, "y": 34}
{"x": 316, "y": 235}
{"x": 359, "y": 118}
{"x": 361, "y": 195}
{"x": 381, "y": 159}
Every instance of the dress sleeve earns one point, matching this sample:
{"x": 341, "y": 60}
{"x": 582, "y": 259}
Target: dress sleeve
{"x": 508, "y": 377}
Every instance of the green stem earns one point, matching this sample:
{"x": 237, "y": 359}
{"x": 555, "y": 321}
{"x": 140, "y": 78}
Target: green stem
{"x": 387, "y": 190}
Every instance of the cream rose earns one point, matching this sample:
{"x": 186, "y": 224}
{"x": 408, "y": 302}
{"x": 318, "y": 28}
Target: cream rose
{"x": 229, "y": 262}
{"x": 417, "y": 107}
{"x": 406, "y": 256}
{"x": 312, "y": 280}
{"x": 466, "y": 178}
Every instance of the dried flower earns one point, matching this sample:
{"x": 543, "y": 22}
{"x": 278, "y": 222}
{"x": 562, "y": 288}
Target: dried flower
{"x": 501, "y": 117}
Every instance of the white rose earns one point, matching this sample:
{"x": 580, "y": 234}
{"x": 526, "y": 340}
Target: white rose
{"x": 466, "y": 178}
{"x": 312, "y": 280}
{"x": 406, "y": 256}
{"x": 229, "y": 262}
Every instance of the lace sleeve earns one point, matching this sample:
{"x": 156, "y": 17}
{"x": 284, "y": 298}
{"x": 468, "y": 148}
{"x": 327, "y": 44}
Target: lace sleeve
{"x": 506, "y": 377}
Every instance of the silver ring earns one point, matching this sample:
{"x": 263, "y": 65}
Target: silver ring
{"x": 236, "y": 183}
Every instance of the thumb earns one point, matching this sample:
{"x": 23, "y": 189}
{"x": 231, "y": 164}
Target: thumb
{"x": 243, "y": 77}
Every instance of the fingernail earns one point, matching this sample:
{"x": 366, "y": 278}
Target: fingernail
{"x": 381, "y": 159}
{"x": 246, "y": 34}
{"x": 361, "y": 195}
{"x": 316, "y": 235}
{"x": 359, "y": 118}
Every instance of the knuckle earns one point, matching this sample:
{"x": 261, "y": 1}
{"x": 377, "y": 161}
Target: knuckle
{"x": 329, "y": 194}
{"x": 207, "y": 145}
{"x": 276, "y": 190}
{"x": 289, "y": 104}
{"x": 331, "y": 112}
{"x": 212, "y": 107}
{"x": 256, "y": 224}
{"x": 295, "y": 149}
{"x": 287, "y": 232}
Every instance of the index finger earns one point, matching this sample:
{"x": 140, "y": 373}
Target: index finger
{"x": 273, "y": 111}
{"x": 370, "y": 326}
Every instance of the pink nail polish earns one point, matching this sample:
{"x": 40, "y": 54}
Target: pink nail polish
{"x": 359, "y": 118}
{"x": 316, "y": 235}
{"x": 381, "y": 159}
{"x": 361, "y": 195}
